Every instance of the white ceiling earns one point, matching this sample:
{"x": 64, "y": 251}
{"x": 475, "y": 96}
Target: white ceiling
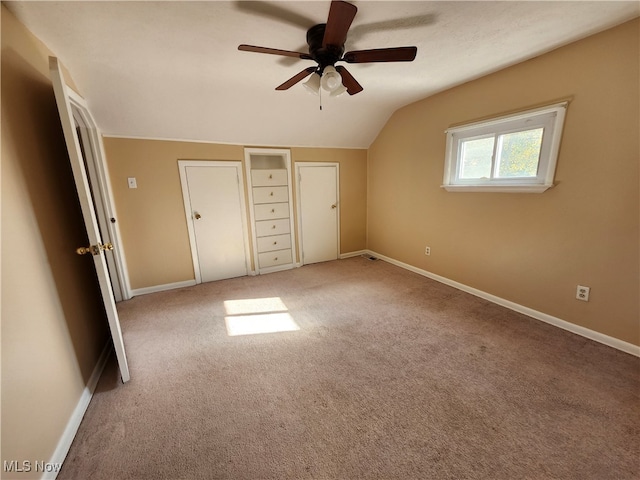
{"x": 172, "y": 69}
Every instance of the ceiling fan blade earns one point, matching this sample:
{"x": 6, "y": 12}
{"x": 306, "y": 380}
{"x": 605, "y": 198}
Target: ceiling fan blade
{"x": 341, "y": 14}
{"x": 296, "y": 78}
{"x": 274, "y": 51}
{"x": 348, "y": 81}
{"x": 398, "y": 54}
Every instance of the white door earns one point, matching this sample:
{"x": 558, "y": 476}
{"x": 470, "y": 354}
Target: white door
{"x": 318, "y": 211}
{"x": 95, "y": 248}
{"x": 214, "y": 205}
{"x": 92, "y": 153}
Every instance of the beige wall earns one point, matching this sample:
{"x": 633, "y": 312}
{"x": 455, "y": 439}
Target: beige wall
{"x": 532, "y": 249}
{"x": 53, "y": 326}
{"x": 152, "y": 219}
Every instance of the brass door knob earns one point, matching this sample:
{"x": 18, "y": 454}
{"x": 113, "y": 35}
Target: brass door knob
{"x": 94, "y": 249}
{"x": 334, "y": 206}
{"x": 197, "y": 216}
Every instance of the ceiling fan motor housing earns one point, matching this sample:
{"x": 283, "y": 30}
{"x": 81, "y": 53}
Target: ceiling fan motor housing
{"x": 324, "y": 56}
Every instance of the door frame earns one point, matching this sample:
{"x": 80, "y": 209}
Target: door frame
{"x": 182, "y": 166}
{"x": 98, "y": 177}
{"x": 83, "y": 190}
{"x": 299, "y": 201}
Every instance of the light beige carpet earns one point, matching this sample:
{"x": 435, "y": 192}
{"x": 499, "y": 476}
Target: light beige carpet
{"x": 390, "y": 376}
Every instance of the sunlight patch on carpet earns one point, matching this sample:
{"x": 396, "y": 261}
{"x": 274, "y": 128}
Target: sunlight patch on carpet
{"x": 254, "y": 305}
{"x": 258, "y": 315}
{"x": 266, "y": 323}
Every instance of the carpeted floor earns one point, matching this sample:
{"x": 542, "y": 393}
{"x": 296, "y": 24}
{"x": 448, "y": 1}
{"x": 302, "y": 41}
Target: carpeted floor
{"x": 390, "y": 376}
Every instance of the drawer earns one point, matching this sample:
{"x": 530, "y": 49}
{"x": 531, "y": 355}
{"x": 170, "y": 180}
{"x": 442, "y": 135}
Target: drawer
{"x": 269, "y": 211}
{"x": 271, "y": 259}
{"x": 275, "y": 242}
{"x": 270, "y": 194}
{"x": 263, "y": 178}
{"x": 267, "y": 228}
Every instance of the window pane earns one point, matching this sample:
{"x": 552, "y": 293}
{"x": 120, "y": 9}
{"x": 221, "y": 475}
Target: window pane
{"x": 476, "y": 158}
{"x": 519, "y": 153}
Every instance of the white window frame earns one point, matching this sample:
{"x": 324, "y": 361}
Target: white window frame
{"x": 550, "y": 118}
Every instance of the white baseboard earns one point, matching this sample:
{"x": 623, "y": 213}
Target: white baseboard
{"x": 162, "y": 288}
{"x": 353, "y": 254}
{"x": 571, "y": 327}
{"x": 64, "y": 444}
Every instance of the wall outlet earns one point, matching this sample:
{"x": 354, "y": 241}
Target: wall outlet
{"x": 132, "y": 182}
{"x": 582, "y": 293}
{"x": 427, "y": 250}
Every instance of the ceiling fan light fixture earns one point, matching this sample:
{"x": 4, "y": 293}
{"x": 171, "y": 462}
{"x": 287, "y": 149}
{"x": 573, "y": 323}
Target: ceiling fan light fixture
{"x": 331, "y": 79}
{"x": 338, "y": 91}
{"x": 313, "y": 84}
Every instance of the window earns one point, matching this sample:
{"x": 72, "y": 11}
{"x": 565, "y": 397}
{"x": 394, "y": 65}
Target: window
{"x": 515, "y": 153}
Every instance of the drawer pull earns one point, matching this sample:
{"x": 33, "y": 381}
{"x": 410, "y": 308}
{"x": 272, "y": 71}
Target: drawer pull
{"x": 273, "y": 226}
{"x": 275, "y": 243}
{"x": 270, "y": 176}
{"x": 275, "y": 259}
{"x": 273, "y": 210}
{"x": 271, "y": 194}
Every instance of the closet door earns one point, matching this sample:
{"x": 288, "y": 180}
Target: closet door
{"x": 214, "y": 204}
{"x": 318, "y": 210}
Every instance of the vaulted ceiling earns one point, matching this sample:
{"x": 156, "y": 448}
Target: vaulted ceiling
{"x": 173, "y": 69}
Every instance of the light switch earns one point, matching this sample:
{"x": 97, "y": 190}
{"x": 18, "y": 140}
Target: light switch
{"x": 132, "y": 182}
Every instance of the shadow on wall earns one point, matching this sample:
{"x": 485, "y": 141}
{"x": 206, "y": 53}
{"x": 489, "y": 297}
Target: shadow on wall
{"x": 35, "y": 133}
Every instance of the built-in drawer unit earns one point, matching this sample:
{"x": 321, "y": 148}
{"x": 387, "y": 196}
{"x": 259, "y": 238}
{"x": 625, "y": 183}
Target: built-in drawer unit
{"x": 270, "y": 194}
{"x": 275, "y": 242}
{"x": 269, "y": 211}
{"x": 272, "y": 259}
{"x": 266, "y": 228}
{"x": 269, "y": 177}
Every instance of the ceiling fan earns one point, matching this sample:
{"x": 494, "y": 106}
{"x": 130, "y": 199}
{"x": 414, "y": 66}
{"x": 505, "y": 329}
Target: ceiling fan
{"x": 326, "y": 47}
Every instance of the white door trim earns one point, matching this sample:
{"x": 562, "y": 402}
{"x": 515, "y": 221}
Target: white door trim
{"x": 98, "y": 176}
{"x": 297, "y": 166}
{"x": 182, "y": 166}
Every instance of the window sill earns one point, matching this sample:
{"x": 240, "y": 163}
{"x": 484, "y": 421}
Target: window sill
{"x": 512, "y": 188}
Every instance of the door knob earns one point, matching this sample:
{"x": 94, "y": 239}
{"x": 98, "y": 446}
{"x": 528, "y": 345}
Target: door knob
{"x": 94, "y": 249}
{"x": 334, "y": 206}
{"x": 197, "y": 216}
